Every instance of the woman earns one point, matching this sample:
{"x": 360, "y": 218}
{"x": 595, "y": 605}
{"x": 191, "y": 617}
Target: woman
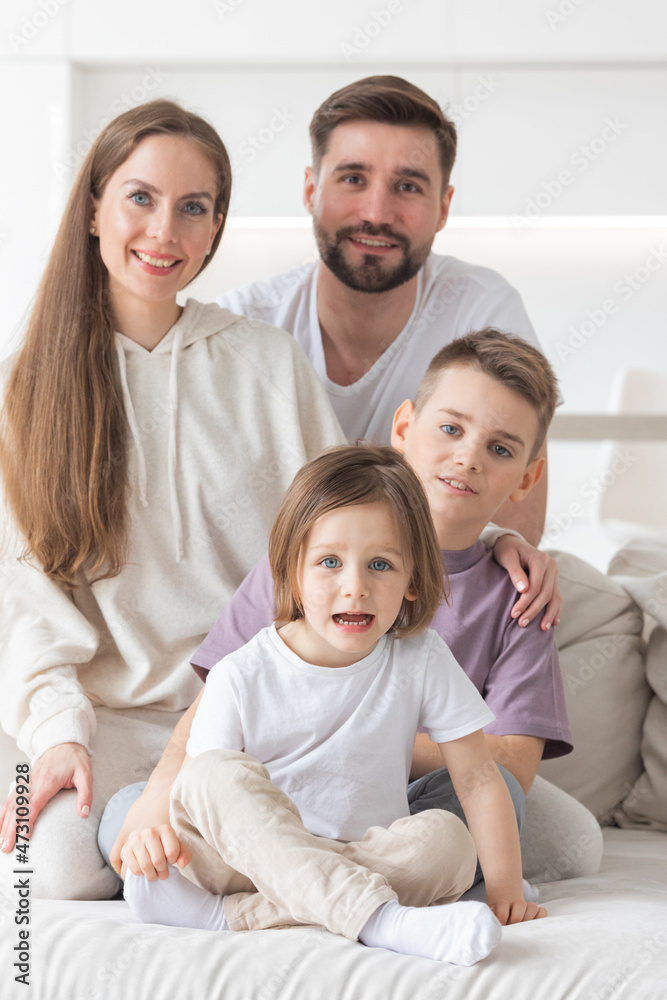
{"x": 145, "y": 448}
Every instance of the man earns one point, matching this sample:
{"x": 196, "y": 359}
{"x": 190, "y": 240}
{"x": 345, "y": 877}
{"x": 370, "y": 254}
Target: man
{"x": 379, "y": 304}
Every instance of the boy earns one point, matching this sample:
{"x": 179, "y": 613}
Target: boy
{"x": 472, "y": 435}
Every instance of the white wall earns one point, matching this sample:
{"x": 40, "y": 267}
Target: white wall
{"x": 560, "y": 106}
{"x": 533, "y": 85}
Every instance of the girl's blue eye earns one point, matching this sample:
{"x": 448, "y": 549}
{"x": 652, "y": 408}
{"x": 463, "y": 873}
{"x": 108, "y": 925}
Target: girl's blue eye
{"x": 380, "y": 564}
{"x": 330, "y": 562}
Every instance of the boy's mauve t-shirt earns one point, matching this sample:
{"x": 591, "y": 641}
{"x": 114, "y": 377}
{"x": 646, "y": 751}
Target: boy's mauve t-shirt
{"x": 516, "y": 670}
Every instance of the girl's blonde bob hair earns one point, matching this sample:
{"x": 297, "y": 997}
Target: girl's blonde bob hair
{"x": 344, "y": 477}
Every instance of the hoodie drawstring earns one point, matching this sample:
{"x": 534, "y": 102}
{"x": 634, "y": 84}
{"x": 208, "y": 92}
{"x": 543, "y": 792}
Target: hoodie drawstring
{"x": 176, "y": 520}
{"x": 132, "y": 421}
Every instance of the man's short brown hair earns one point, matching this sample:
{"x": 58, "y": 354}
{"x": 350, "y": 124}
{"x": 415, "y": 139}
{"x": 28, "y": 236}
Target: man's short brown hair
{"x": 390, "y": 100}
{"x": 510, "y": 360}
{"x": 344, "y": 477}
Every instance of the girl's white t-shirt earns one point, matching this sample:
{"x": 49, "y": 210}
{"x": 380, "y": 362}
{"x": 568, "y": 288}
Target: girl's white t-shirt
{"x": 338, "y": 741}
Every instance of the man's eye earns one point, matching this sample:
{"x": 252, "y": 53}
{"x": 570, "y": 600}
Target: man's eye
{"x": 380, "y": 564}
{"x": 408, "y": 186}
{"x": 330, "y": 562}
{"x": 352, "y": 179}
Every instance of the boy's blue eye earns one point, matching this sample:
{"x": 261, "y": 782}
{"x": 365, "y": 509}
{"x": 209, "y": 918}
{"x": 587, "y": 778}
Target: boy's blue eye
{"x": 380, "y": 564}
{"x": 501, "y": 450}
{"x": 330, "y": 562}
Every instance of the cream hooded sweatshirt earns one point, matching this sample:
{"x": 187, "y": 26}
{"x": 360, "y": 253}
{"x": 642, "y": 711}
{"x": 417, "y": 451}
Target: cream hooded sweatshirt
{"x": 222, "y": 413}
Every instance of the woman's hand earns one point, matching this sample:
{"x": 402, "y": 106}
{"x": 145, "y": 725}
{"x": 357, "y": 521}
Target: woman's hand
{"x": 64, "y": 766}
{"x": 516, "y": 911}
{"x": 538, "y": 584}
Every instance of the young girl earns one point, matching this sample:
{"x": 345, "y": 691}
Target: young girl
{"x": 292, "y": 799}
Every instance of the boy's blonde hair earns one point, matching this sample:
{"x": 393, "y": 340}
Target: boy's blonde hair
{"x": 510, "y": 360}
{"x": 344, "y": 477}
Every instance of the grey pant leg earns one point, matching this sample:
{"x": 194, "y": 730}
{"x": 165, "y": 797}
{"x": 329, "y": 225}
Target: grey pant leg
{"x": 63, "y": 845}
{"x": 436, "y": 791}
{"x": 114, "y": 815}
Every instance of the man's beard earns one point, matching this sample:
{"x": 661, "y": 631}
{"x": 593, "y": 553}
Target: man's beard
{"x": 372, "y": 275}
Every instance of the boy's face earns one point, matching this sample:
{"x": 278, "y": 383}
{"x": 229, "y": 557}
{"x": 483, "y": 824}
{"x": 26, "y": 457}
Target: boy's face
{"x": 470, "y": 445}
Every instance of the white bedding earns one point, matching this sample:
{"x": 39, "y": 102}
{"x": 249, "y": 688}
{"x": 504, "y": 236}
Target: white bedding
{"x": 605, "y": 939}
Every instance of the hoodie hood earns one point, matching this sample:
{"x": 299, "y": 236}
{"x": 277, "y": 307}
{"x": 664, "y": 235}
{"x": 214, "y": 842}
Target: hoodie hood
{"x": 197, "y": 322}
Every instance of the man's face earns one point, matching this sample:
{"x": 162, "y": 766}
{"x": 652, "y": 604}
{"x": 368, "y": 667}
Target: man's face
{"x": 377, "y": 202}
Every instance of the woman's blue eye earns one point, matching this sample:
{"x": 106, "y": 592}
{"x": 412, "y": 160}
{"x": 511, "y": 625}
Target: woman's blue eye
{"x": 137, "y": 195}
{"x": 380, "y": 564}
{"x": 449, "y": 429}
{"x": 199, "y": 209}
{"x": 331, "y": 562}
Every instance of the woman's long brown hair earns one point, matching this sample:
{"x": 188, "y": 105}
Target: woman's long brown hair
{"x": 63, "y": 451}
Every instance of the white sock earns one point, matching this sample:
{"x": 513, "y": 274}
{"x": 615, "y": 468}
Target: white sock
{"x": 530, "y": 893}
{"x": 461, "y": 933}
{"x": 174, "y": 901}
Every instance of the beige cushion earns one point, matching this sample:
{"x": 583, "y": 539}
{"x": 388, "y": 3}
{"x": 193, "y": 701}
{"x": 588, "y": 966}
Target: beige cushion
{"x": 646, "y": 803}
{"x": 641, "y": 566}
{"x": 602, "y": 662}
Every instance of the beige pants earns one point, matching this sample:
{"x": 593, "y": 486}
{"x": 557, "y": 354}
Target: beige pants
{"x": 249, "y": 844}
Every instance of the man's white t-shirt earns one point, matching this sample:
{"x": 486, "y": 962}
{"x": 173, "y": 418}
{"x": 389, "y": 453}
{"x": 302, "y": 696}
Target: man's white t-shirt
{"x": 338, "y": 741}
{"x": 453, "y": 298}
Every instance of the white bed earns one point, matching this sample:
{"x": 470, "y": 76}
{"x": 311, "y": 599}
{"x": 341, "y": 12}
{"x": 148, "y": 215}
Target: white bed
{"x": 605, "y": 937}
